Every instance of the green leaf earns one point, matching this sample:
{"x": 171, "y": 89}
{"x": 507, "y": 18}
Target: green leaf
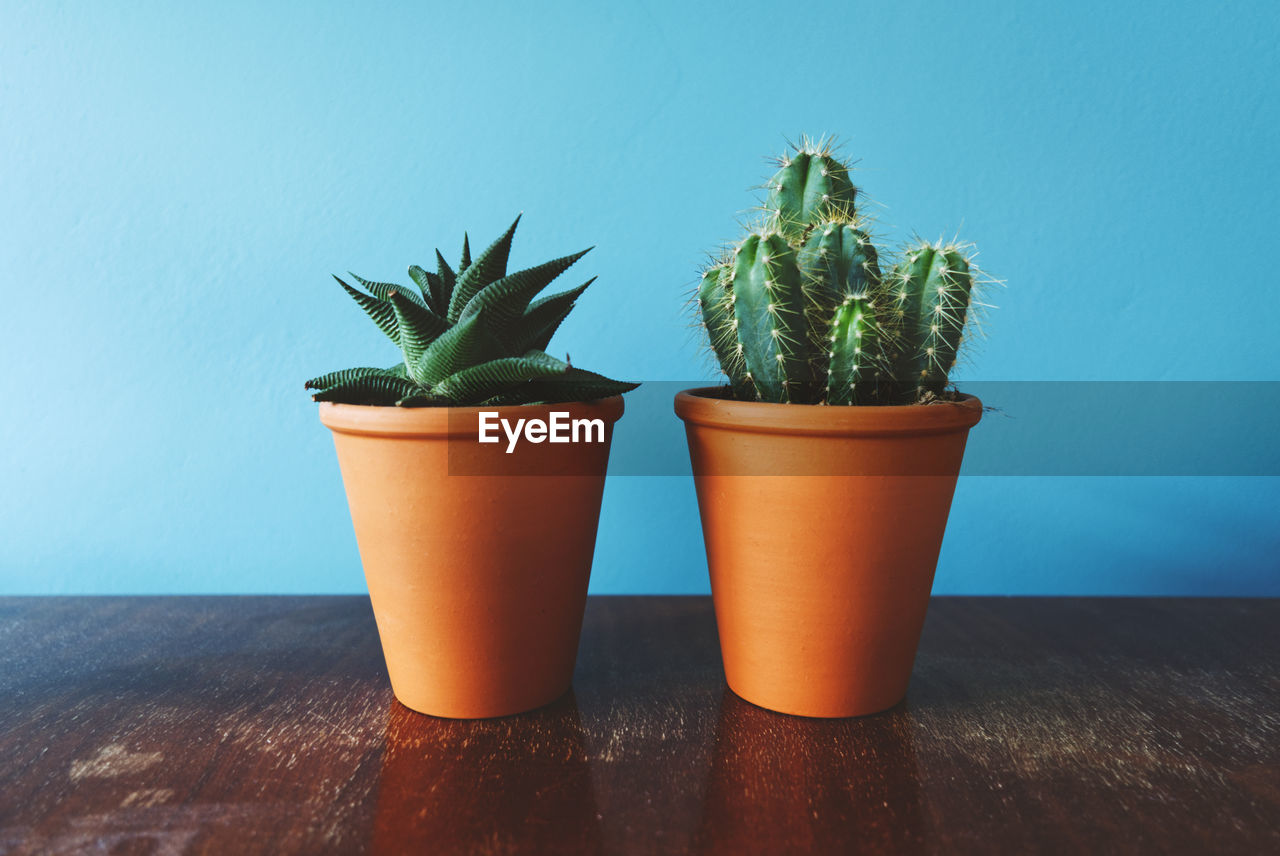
{"x": 505, "y": 301}
{"x": 466, "y": 255}
{"x": 483, "y": 381}
{"x": 430, "y": 286}
{"x": 543, "y": 318}
{"x": 325, "y": 381}
{"x": 577, "y": 385}
{"x": 488, "y": 266}
{"x": 419, "y": 327}
{"x": 423, "y": 399}
{"x": 445, "y": 272}
{"x": 382, "y": 290}
{"x": 465, "y": 344}
{"x": 365, "y": 385}
{"x": 383, "y": 314}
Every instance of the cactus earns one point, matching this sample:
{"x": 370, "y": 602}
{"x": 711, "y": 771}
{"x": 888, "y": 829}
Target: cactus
{"x": 769, "y": 316}
{"x": 475, "y": 335}
{"x": 801, "y": 313}
{"x": 930, "y": 293}
{"x": 809, "y": 185}
{"x": 715, "y": 298}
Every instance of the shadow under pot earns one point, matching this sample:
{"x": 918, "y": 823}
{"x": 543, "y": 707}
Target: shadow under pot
{"x": 477, "y": 559}
{"x": 822, "y": 526}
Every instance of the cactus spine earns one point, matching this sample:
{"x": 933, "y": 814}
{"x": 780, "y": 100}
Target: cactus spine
{"x": 801, "y": 312}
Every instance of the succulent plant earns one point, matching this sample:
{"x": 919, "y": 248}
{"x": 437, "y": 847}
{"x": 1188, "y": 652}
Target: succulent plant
{"x": 800, "y": 311}
{"x": 475, "y": 335}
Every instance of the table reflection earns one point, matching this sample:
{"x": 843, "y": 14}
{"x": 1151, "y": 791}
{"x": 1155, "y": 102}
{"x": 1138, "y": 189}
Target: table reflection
{"x": 782, "y": 783}
{"x": 515, "y": 784}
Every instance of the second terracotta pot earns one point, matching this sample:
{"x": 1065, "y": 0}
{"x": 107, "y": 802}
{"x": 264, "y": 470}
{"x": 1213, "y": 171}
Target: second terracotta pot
{"x": 477, "y": 560}
{"x": 823, "y": 527}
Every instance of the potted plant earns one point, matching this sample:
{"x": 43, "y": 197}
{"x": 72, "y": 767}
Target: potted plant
{"x": 476, "y": 546}
{"x": 825, "y": 469}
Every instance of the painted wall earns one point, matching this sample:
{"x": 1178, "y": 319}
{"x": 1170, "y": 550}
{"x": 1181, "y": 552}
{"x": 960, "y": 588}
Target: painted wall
{"x": 177, "y": 182}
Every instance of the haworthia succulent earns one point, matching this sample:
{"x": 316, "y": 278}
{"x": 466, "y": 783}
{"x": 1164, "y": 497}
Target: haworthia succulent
{"x": 474, "y": 335}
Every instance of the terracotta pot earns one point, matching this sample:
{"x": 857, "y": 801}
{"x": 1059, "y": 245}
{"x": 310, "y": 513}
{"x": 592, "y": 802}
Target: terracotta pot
{"x": 477, "y": 560}
{"x": 822, "y": 527}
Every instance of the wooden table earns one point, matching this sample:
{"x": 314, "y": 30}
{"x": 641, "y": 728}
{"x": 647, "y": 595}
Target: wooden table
{"x": 266, "y": 725}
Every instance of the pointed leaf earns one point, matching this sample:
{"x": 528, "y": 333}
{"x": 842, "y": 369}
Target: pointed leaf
{"x": 466, "y": 255}
{"x": 445, "y": 272}
{"x": 465, "y": 344}
{"x": 429, "y": 284}
{"x": 543, "y": 318}
{"x": 442, "y": 282}
{"x": 419, "y": 327}
{"x": 505, "y": 301}
{"x": 382, "y": 313}
{"x": 488, "y": 266}
{"x": 362, "y": 386}
{"x": 578, "y": 385}
{"x": 483, "y": 381}
{"x": 325, "y": 381}
{"x": 382, "y": 290}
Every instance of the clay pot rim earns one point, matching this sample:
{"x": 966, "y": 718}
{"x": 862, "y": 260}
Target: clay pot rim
{"x": 390, "y": 421}
{"x": 703, "y": 406}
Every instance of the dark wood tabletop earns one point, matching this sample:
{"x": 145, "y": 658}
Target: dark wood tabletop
{"x": 266, "y": 725}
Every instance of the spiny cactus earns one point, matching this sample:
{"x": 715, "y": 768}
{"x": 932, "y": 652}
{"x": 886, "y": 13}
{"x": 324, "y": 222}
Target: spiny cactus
{"x": 800, "y": 311}
{"x": 474, "y": 335}
{"x": 809, "y": 186}
{"x": 929, "y": 294}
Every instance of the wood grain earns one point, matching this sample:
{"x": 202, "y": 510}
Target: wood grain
{"x": 266, "y": 725}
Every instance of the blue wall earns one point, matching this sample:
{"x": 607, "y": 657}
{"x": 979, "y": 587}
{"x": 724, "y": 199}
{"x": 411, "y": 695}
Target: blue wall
{"x": 177, "y": 182}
